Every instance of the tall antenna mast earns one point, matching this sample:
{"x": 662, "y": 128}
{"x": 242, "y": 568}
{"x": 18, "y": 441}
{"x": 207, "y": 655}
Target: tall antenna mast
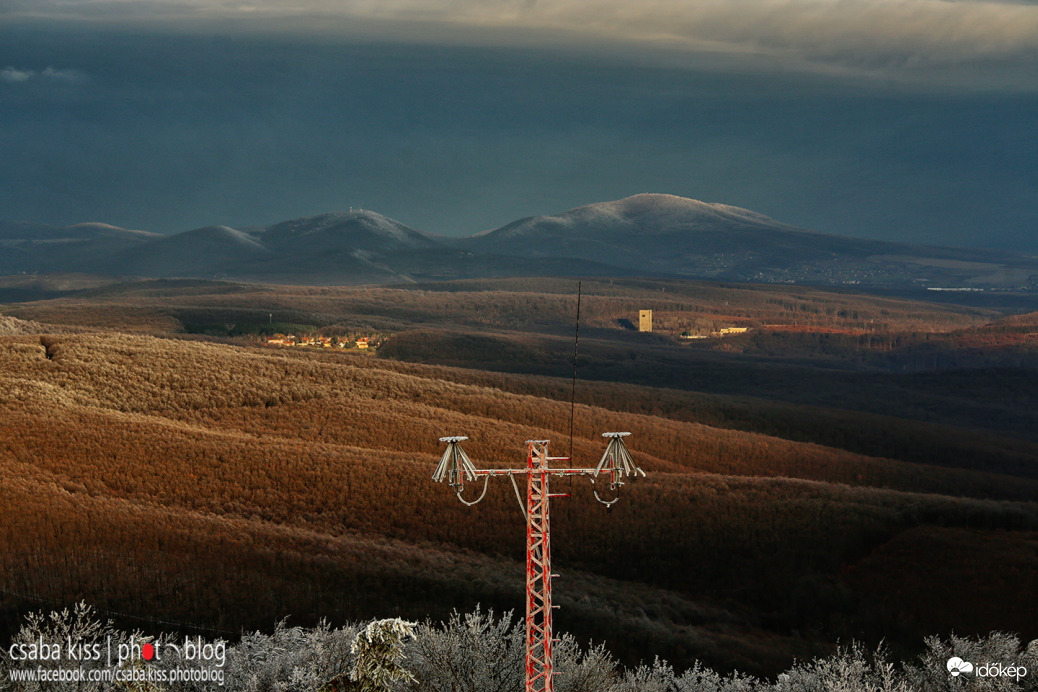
{"x": 616, "y": 464}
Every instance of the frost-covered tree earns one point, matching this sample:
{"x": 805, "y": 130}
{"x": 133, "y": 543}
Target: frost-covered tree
{"x": 379, "y": 651}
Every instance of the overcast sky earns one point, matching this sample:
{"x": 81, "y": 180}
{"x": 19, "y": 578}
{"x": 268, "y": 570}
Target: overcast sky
{"x": 894, "y": 119}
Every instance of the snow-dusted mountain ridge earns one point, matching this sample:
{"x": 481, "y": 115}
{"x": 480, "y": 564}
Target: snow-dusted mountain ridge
{"x": 646, "y": 234}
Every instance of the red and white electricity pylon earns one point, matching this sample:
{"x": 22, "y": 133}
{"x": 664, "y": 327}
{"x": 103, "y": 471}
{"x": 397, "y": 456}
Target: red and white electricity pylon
{"x": 616, "y": 465}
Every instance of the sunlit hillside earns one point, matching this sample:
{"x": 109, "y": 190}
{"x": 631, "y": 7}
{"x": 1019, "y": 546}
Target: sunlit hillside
{"x": 228, "y": 486}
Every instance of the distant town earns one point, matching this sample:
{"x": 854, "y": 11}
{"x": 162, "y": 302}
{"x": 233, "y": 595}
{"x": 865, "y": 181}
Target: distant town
{"x": 362, "y": 343}
{"x": 645, "y": 325}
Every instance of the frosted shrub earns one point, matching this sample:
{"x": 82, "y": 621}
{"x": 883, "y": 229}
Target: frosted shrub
{"x": 659, "y": 677}
{"x": 470, "y": 653}
{"x": 700, "y": 679}
{"x": 996, "y": 648}
{"x": 292, "y": 659}
{"x": 577, "y": 670}
{"x": 850, "y": 669}
{"x": 79, "y": 625}
{"x": 477, "y": 652}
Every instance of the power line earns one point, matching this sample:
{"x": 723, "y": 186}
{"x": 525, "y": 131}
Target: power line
{"x": 573, "y": 385}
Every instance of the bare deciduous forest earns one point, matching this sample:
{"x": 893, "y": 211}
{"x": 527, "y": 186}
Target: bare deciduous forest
{"x": 833, "y": 479}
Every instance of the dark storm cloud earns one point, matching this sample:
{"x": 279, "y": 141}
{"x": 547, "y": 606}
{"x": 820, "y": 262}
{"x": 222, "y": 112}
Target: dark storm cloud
{"x": 961, "y": 42}
{"x": 168, "y": 131}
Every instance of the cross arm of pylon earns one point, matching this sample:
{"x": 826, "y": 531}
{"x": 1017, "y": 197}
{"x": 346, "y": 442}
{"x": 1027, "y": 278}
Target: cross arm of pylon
{"x": 456, "y": 467}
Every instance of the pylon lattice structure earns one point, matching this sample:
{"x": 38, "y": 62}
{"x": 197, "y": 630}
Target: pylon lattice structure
{"x": 616, "y": 464}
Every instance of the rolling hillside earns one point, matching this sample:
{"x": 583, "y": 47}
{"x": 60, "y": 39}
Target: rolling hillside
{"x": 846, "y": 352}
{"x": 227, "y": 487}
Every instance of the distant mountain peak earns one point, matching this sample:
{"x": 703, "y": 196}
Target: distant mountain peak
{"x": 334, "y": 218}
{"x": 649, "y": 202}
{"x": 664, "y": 207}
{"x": 672, "y": 235}
{"x": 623, "y": 220}
{"x": 351, "y": 226}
